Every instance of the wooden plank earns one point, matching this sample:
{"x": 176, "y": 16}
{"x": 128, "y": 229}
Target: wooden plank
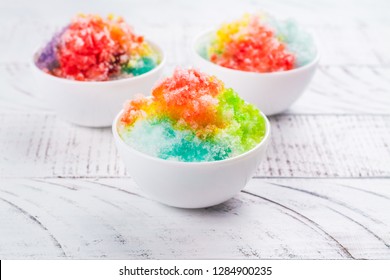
{"x": 339, "y": 128}
{"x": 272, "y": 218}
{"x": 328, "y": 146}
{"x": 346, "y": 90}
{"x": 41, "y": 145}
{"x": 338, "y": 207}
{"x": 334, "y": 90}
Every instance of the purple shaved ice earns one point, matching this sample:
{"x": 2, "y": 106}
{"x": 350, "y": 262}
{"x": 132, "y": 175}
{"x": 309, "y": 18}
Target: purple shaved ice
{"x": 47, "y": 59}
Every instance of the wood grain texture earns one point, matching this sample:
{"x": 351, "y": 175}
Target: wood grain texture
{"x": 273, "y": 218}
{"x": 301, "y": 146}
{"x": 323, "y": 191}
{"x": 334, "y": 90}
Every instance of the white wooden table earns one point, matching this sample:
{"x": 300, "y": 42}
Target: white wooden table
{"x": 323, "y": 191}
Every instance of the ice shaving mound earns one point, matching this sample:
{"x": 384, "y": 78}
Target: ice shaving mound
{"x": 191, "y": 117}
{"x": 92, "y": 48}
{"x": 260, "y": 43}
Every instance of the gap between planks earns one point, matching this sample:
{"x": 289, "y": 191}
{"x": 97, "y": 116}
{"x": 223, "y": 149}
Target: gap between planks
{"x": 276, "y": 218}
{"x": 336, "y": 90}
{"x": 300, "y": 146}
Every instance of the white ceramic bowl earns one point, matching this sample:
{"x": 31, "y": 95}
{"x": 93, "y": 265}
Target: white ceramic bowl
{"x": 92, "y": 104}
{"x": 190, "y": 184}
{"x": 272, "y": 92}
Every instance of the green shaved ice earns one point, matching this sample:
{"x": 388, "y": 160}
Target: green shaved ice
{"x": 247, "y": 124}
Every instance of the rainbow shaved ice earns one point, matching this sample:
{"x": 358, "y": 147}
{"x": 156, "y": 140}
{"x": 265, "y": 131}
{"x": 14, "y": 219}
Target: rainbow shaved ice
{"x": 260, "y": 43}
{"x": 93, "y": 48}
{"x": 191, "y": 117}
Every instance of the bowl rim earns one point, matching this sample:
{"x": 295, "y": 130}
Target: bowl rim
{"x": 312, "y": 63}
{"x": 109, "y": 82}
{"x": 263, "y": 142}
